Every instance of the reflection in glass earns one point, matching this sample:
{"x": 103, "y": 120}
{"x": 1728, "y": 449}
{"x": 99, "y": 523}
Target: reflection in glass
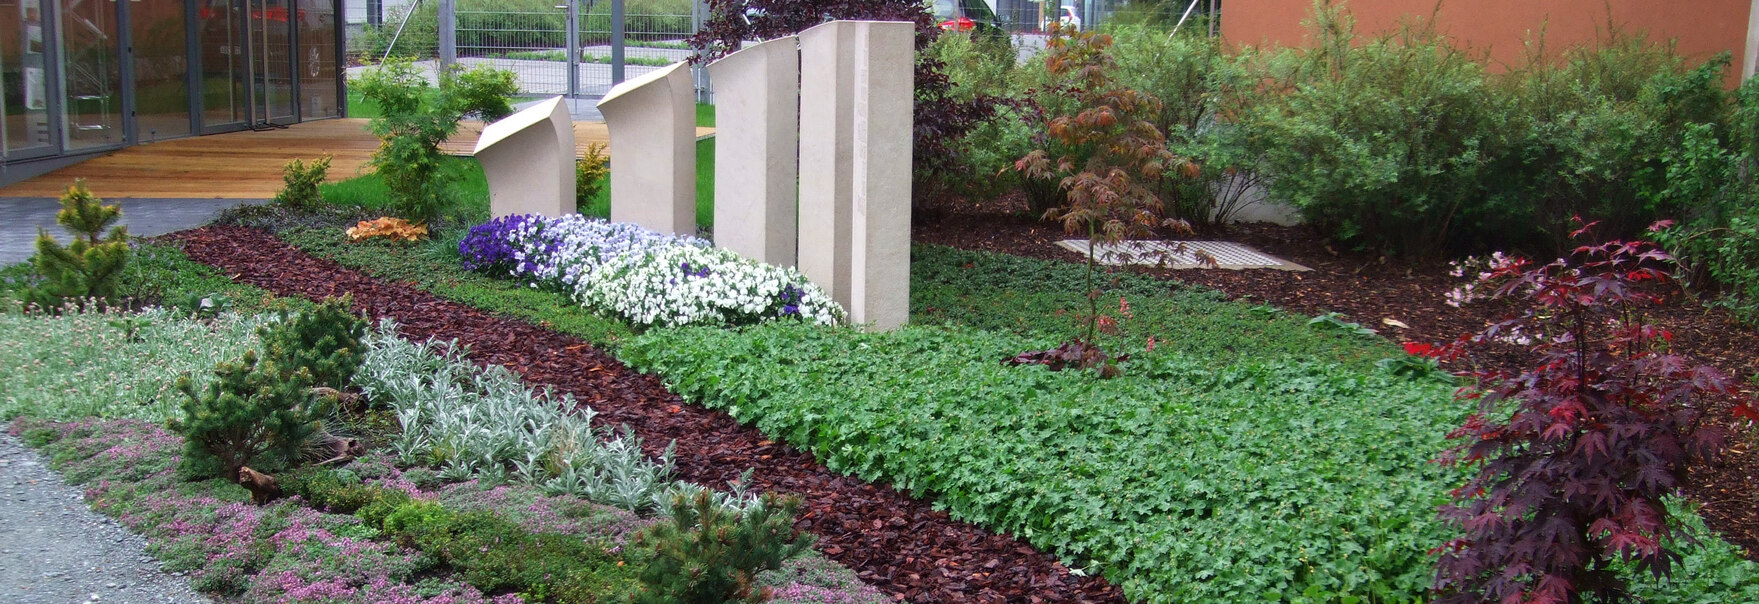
{"x": 222, "y": 57}
{"x": 273, "y": 68}
{"x": 161, "y": 91}
{"x": 317, "y": 66}
{"x": 91, "y": 75}
{"x": 24, "y": 94}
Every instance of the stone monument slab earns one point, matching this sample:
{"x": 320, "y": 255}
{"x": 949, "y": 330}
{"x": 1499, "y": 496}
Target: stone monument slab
{"x": 652, "y": 122}
{"x": 528, "y": 158}
{"x": 857, "y": 94}
{"x": 756, "y": 150}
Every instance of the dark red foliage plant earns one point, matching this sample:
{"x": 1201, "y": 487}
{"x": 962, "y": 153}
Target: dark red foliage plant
{"x": 1572, "y": 458}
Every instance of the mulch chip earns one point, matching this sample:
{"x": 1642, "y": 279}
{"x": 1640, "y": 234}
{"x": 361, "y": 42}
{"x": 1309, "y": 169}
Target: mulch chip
{"x": 899, "y": 545}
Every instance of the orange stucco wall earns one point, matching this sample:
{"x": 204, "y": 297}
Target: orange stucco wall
{"x": 1701, "y": 27}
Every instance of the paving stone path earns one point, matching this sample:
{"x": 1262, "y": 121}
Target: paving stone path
{"x": 20, "y": 217}
{"x": 55, "y": 550}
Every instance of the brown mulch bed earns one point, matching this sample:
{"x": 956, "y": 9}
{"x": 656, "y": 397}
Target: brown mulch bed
{"x": 893, "y": 542}
{"x": 1370, "y": 289}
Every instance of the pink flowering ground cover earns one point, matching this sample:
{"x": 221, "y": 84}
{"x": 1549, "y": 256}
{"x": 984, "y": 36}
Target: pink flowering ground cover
{"x": 286, "y": 552}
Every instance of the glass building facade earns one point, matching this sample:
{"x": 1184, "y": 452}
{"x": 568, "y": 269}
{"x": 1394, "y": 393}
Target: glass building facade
{"x": 80, "y": 76}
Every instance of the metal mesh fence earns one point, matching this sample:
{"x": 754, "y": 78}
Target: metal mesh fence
{"x": 527, "y": 37}
{"x": 531, "y": 39}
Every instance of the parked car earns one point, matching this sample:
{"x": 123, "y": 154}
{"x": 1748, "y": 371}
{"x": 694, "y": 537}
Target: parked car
{"x": 966, "y": 15}
{"x": 1067, "y": 17}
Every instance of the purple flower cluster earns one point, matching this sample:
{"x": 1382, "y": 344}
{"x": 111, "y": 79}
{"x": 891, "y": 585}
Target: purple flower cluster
{"x": 489, "y": 246}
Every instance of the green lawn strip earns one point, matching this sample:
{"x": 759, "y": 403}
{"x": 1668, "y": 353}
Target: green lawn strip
{"x": 433, "y": 266}
{"x": 1181, "y": 481}
{"x": 705, "y": 115}
{"x": 1013, "y": 294}
{"x": 600, "y": 205}
{"x": 471, "y": 201}
{"x": 359, "y": 106}
{"x": 470, "y": 189}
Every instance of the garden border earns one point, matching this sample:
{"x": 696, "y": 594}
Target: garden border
{"x": 900, "y": 545}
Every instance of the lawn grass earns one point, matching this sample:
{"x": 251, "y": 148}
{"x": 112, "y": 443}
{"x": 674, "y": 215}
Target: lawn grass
{"x": 470, "y": 188}
{"x": 705, "y": 115}
{"x": 359, "y": 106}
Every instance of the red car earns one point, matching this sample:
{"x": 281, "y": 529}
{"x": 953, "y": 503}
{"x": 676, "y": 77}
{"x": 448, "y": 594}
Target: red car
{"x": 964, "y": 15}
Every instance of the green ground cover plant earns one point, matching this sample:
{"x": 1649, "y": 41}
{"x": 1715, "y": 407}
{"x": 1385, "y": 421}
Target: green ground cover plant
{"x": 1181, "y": 480}
{"x": 433, "y": 266}
{"x": 88, "y": 363}
{"x": 1031, "y": 297}
{"x": 162, "y": 275}
{"x": 458, "y": 543}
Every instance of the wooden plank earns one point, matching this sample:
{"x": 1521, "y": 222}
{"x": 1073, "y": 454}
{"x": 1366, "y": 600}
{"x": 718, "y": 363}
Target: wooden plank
{"x": 245, "y": 165}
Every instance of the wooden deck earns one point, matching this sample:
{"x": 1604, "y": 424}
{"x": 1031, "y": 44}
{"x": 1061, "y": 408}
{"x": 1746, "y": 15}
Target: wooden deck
{"x": 244, "y": 165}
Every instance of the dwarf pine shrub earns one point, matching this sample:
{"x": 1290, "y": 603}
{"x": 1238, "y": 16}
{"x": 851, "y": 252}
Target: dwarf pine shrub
{"x": 589, "y": 174}
{"x": 326, "y": 342}
{"x": 709, "y": 553}
{"x": 255, "y": 414}
{"x": 89, "y": 267}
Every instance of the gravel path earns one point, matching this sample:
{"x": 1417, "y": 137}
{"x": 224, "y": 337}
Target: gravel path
{"x": 55, "y": 550}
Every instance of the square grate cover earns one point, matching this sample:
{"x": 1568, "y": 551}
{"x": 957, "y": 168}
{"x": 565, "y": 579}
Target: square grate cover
{"x": 1166, "y": 254}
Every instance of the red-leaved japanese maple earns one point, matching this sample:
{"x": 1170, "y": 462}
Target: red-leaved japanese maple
{"x": 1573, "y": 457}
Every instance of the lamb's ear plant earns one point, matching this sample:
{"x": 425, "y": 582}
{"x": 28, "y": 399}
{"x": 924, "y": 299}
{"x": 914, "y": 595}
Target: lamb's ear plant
{"x": 255, "y": 414}
{"x": 487, "y": 425}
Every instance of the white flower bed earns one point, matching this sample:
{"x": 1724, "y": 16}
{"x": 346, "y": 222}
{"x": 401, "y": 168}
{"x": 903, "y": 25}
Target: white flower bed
{"x": 644, "y": 277}
{"x": 684, "y": 285}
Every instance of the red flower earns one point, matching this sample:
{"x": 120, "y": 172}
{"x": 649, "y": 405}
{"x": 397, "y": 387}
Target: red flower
{"x": 1422, "y": 349}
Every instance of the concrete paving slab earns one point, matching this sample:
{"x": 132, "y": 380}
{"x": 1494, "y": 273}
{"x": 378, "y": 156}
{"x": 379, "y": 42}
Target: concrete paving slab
{"x": 20, "y": 217}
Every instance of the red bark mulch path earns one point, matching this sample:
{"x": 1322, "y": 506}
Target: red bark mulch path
{"x": 1369, "y": 289}
{"x": 893, "y": 542}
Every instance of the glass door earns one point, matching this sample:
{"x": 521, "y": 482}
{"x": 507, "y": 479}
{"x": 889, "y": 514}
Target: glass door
{"x": 271, "y": 36}
{"x": 224, "y": 66}
{"x": 26, "y": 129}
{"x": 91, "y": 75}
{"x": 159, "y": 39}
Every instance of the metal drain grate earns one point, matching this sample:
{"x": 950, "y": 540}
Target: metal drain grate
{"x": 1166, "y": 254}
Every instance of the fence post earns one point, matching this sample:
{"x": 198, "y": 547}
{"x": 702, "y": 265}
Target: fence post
{"x": 375, "y": 13}
{"x": 617, "y": 28}
{"x": 448, "y": 27}
{"x": 698, "y": 70}
{"x": 573, "y": 48}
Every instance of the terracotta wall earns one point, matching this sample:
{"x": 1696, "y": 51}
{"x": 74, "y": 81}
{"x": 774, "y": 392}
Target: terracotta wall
{"x": 1701, "y": 27}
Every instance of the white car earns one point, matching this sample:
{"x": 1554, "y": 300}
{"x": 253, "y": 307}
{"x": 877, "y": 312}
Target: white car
{"x": 1066, "y": 17}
